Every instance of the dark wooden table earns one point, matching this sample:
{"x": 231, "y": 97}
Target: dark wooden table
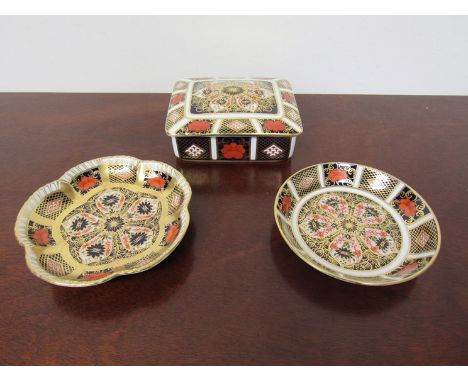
{"x": 233, "y": 292}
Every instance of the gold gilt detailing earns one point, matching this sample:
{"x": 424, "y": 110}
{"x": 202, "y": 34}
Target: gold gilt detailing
{"x": 233, "y": 96}
{"x": 350, "y": 230}
{"x": 104, "y": 218}
{"x": 425, "y": 238}
{"x": 377, "y": 182}
{"x": 216, "y": 107}
{"x": 357, "y": 223}
{"x": 306, "y": 181}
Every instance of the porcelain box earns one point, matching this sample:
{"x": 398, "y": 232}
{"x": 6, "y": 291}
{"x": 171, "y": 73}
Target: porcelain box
{"x": 233, "y": 119}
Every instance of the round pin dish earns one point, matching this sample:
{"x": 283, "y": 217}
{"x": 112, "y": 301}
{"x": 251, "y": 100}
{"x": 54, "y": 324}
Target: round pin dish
{"x": 104, "y": 218}
{"x": 357, "y": 224}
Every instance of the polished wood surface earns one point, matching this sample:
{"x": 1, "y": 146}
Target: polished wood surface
{"x": 233, "y": 292}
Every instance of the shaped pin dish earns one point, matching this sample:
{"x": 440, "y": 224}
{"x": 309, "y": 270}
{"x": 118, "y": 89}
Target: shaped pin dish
{"x": 104, "y": 218}
{"x": 233, "y": 119}
{"x": 357, "y": 224}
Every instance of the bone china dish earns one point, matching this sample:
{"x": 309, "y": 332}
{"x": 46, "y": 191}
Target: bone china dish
{"x": 357, "y": 223}
{"x": 233, "y": 119}
{"x": 104, "y": 218}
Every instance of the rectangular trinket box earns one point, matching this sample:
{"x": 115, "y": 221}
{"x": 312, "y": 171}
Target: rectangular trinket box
{"x": 233, "y": 119}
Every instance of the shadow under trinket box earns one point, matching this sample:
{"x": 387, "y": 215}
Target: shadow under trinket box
{"x": 233, "y": 119}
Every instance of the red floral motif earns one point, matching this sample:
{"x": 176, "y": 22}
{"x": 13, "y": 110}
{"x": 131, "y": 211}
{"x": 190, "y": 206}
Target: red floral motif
{"x": 157, "y": 182}
{"x": 86, "y": 182}
{"x": 408, "y": 207}
{"x": 198, "y": 126}
{"x": 349, "y": 227}
{"x": 410, "y": 268}
{"x": 288, "y": 97}
{"x": 276, "y": 126}
{"x": 337, "y": 174}
{"x": 172, "y": 233}
{"x": 41, "y": 236}
{"x": 233, "y": 151}
{"x": 286, "y": 204}
{"x": 177, "y": 99}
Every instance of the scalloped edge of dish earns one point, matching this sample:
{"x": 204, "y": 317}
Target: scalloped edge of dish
{"x": 33, "y": 201}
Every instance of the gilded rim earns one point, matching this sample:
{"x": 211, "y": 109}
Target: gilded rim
{"x": 34, "y": 200}
{"x": 361, "y": 281}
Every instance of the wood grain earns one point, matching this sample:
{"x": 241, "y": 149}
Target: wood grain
{"x": 233, "y": 293}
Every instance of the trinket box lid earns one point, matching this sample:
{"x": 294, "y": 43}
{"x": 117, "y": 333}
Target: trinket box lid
{"x": 233, "y": 107}
{"x": 357, "y": 223}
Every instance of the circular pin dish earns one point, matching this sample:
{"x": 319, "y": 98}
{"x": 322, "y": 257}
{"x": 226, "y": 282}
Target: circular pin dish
{"x": 104, "y": 218}
{"x": 357, "y": 224}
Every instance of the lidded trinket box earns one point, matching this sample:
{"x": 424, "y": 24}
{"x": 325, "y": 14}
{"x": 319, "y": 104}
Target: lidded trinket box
{"x": 233, "y": 119}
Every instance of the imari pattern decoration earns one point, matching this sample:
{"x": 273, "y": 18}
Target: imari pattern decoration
{"x": 104, "y": 218}
{"x": 233, "y": 119}
{"x": 357, "y": 223}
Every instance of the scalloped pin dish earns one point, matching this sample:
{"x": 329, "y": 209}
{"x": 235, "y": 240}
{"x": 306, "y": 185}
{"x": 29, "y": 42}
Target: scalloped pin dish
{"x": 357, "y": 224}
{"x": 104, "y": 218}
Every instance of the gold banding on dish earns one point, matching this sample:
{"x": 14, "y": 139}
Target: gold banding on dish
{"x": 357, "y": 224}
{"x": 104, "y": 218}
